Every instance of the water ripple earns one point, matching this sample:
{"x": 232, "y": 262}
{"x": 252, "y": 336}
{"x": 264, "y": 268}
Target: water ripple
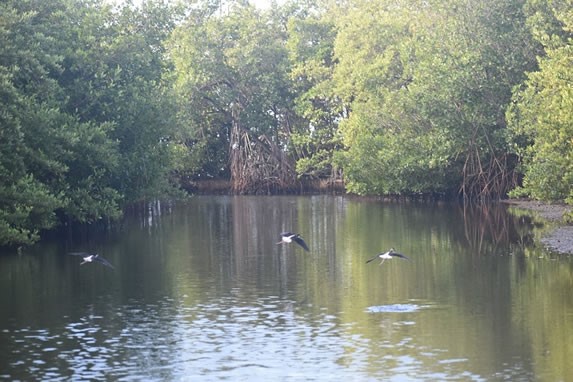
{"x": 268, "y": 338}
{"x": 393, "y": 308}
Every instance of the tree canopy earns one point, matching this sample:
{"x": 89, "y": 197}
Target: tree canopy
{"x": 103, "y": 106}
{"x": 541, "y": 117}
{"x": 85, "y": 123}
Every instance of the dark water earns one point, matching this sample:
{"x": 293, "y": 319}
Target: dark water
{"x": 201, "y": 291}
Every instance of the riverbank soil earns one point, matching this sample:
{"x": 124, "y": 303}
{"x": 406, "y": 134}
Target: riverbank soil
{"x": 559, "y": 239}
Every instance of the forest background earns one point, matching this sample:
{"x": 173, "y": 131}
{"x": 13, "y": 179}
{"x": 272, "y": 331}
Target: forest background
{"x": 103, "y": 106}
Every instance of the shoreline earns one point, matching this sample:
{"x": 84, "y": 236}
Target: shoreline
{"x": 560, "y": 238}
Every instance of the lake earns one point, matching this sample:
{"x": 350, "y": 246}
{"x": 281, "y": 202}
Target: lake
{"x": 202, "y": 291}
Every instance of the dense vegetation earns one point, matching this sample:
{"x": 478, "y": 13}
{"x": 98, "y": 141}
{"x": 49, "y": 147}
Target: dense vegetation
{"x": 104, "y": 106}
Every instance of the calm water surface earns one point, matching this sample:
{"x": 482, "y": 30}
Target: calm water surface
{"x": 201, "y": 291}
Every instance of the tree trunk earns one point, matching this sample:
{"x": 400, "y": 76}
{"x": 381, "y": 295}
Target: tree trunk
{"x": 258, "y": 165}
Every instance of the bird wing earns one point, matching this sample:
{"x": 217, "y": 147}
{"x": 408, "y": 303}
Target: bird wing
{"x": 372, "y": 259}
{"x": 82, "y": 254}
{"x": 103, "y": 261}
{"x": 399, "y": 255}
{"x": 300, "y": 242}
{"x": 286, "y": 234}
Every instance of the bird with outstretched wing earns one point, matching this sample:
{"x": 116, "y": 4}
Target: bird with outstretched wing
{"x": 289, "y": 237}
{"x": 387, "y": 256}
{"x": 92, "y": 257}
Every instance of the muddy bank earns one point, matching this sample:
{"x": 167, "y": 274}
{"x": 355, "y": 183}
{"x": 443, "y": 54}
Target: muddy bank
{"x": 559, "y": 239}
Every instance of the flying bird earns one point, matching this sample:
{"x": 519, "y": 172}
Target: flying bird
{"x": 91, "y": 257}
{"x": 289, "y": 237}
{"x": 387, "y": 256}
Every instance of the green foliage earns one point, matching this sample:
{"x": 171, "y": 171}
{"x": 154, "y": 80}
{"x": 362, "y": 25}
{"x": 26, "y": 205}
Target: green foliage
{"x": 427, "y": 86}
{"x": 568, "y": 217}
{"x": 121, "y": 81}
{"x": 86, "y": 118}
{"x": 540, "y": 119}
{"x": 311, "y": 52}
{"x": 103, "y": 106}
{"x": 26, "y": 207}
{"x": 230, "y": 70}
{"x": 27, "y": 162}
{"x": 540, "y": 116}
